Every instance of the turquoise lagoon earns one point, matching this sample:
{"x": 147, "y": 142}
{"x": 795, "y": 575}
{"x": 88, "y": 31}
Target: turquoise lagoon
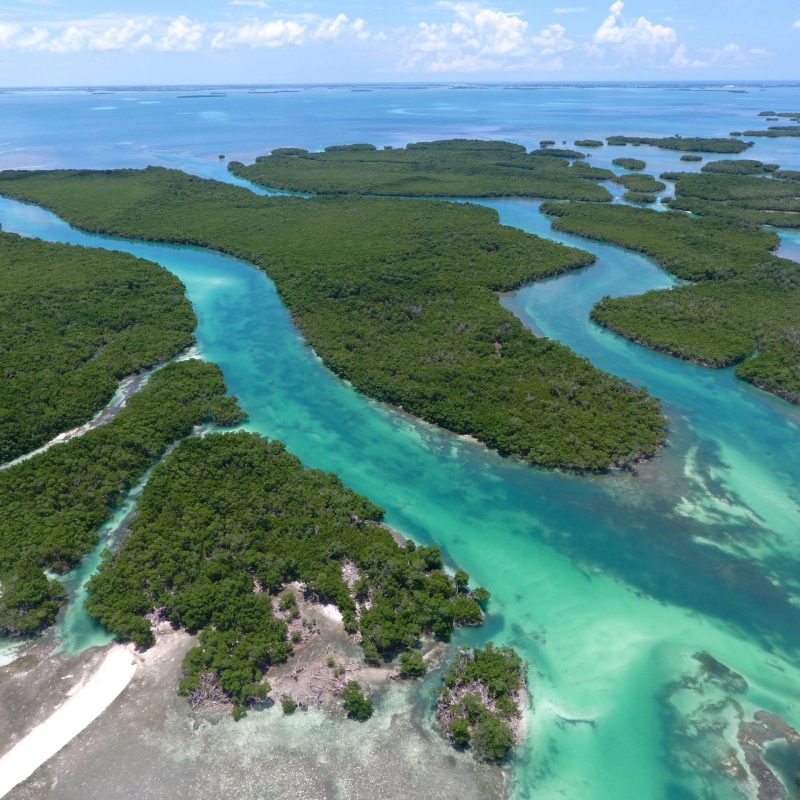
{"x": 609, "y": 585}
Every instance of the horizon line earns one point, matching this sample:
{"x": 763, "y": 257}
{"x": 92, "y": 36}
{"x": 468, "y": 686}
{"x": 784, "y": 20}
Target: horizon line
{"x": 450, "y": 83}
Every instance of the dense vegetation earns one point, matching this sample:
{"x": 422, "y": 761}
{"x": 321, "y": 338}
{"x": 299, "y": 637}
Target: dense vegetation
{"x": 588, "y": 143}
{"x": 54, "y": 503}
{"x": 356, "y": 704}
{"x": 739, "y": 166}
{"x": 640, "y": 183}
{"x": 629, "y": 163}
{"x": 699, "y": 143}
{"x": 640, "y": 198}
{"x": 449, "y": 168}
{"x": 397, "y": 297}
{"x": 749, "y": 198}
{"x": 691, "y": 157}
{"x": 480, "y": 701}
{"x": 225, "y": 522}
{"x": 744, "y": 301}
{"x": 776, "y": 131}
{"x": 558, "y": 153}
{"x": 73, "y": 321}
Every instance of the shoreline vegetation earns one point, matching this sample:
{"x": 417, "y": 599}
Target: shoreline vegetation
{"x": 640, "y": 183}
{"x": 75, "y": 321}
{"x": 768, "y": 197}
{"x": 379, "y": 289}
{"x": 629, "y": 163}
{"x": 740, "y": 307}
{"x": 446, "y": 168}
{"x": 54, "y": 503}
{"x": 700, "y": 144}
{"x": 232, "y": 541}
{"x": 482, "y": 700}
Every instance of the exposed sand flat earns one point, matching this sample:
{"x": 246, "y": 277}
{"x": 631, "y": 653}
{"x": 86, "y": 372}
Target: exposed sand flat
{"x": 87, "y": 701}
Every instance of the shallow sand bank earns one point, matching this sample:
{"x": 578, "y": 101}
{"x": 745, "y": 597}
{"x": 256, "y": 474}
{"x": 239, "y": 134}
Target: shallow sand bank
{"x": 150, "y": 732}
{"x": 86, "y": 701}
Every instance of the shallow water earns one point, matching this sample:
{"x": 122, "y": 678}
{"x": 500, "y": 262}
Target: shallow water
{"x": 608, "y": 585}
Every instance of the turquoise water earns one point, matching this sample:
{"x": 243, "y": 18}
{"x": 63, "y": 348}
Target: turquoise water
{"x": 608, "y": 585}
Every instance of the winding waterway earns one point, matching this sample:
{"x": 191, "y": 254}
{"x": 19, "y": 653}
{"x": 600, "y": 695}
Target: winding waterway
{"x": 608, "y": 585}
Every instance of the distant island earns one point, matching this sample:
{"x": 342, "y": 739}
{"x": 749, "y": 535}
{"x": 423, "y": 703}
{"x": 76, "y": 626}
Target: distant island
{"x": 448, "y": 168}
{"x": 701, "y": 144}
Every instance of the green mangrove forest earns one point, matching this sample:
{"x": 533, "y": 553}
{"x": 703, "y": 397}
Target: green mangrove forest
{"x": 447, "y": 168}
{"x": 398, "y": 297}
{"x": 73, "y": 322}
{"x": 481, "y": 701}
{"x": 225, "y": 522}
{"x": 753, "y": 199}
{"x": 629, "y": 163}
{"x": 701, "y": 144}
{"x": 739, "y": 166}
{"x": 775, "y": 131}
{"x": 640, "y": 183}
{"x": 741, "y": 307}
{"x": 54, "y": 503}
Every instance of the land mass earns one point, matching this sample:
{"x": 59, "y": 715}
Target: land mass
{"x": 396, "y": 296}
{"x": 74, "y": 321}
{"x": 741, "y": 307}
{"x": 700, "y": 144}
{"x": 54, "y": 503}
{"x": 447, "y": 168}
{"x": 224, "y": 524}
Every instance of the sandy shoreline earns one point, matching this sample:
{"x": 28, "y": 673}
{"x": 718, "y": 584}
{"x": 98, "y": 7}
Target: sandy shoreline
{"x": 150, "y": 731}
{"x": 87, "y": 700}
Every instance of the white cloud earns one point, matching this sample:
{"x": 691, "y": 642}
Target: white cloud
{"x": 132, "y": 34}
{"x": 249, "y": 3}
{"x": 8, "y": 30}
{"x": 680, "y": 58}
{"x": 734, "y": 54}
{"x": 731, "y": 55}
{"x": 553, "y": 39}
{"x": 631, "y": 37}
{"x": 796, "y": 25}
{"x": 285, "y": 32}
{"x": 182, "y": 35}
{"x": 480, "y": 38}
{"x": 81, "y": 35}
{"x": 34, "y": 40}
{"x": 276, "y": 33}
{"x": 341, "y": 26}
{"x": 569, "y": 9}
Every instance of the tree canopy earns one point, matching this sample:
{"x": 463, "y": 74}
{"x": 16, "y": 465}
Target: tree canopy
{"x": 396, "y": 296}
{"x": 446, "y": 168}
{"x": 227, "y": 520}
{"x": 741, "y": 308}
{"x": 54, "y": 503}
{"x": 73, "y": 322}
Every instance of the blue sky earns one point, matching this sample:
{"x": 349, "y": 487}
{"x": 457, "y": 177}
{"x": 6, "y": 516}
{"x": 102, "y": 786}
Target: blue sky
{"x": 76, "y": 42}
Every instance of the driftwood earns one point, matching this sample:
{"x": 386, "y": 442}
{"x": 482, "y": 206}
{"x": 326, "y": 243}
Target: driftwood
{"x": 208, "y": 692}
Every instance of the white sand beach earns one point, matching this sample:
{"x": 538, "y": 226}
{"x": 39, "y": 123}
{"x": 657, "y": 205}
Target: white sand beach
{"x": 89, "y": 698}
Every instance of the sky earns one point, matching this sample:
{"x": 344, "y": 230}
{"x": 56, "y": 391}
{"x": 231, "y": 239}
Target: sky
{"x": 141, "y": 42}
